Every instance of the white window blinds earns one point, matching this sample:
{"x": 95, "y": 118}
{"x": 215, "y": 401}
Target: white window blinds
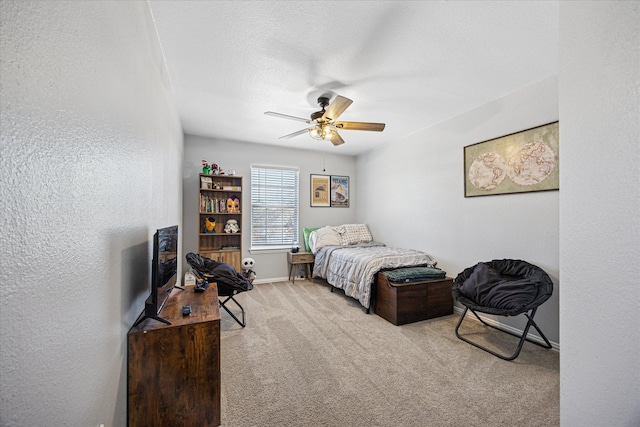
{"x": 274, "y": 207}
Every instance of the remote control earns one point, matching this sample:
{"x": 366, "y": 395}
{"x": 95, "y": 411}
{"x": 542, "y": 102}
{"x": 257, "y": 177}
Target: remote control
{"x": 186, "y": 310}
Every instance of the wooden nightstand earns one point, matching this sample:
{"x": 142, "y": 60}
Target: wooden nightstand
{"x": 306, "y": 258}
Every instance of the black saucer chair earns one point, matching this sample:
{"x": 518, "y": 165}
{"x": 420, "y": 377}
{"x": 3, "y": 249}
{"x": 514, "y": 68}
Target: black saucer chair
{"x": 228, "y": 280}
{"x": 505, "y": 288}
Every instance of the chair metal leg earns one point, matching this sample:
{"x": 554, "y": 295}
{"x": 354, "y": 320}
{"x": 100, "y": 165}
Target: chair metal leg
{"x": 522, "y": 337}
{"x": 242, "y": 323}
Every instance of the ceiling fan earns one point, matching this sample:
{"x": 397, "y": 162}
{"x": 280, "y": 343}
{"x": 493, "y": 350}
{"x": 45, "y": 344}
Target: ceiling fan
{"x": 324, "y": 124}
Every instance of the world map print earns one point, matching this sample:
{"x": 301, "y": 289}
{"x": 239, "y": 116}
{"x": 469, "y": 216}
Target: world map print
{"x": 531, "y": 164}
{"x": 487, "y": 171}
{"x": 521, "y": 162}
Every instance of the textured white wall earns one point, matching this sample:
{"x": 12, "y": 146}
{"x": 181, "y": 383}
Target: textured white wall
{"x": 240, "y": 156}
{"x": 414, "y": 196}
{"x": 90, "y": 167}
{"x": 599, "y": 83}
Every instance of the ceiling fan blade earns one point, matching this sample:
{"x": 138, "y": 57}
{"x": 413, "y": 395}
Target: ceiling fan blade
{"x": 286, "y": 116}
{"x": 336, "y": 108}
{"x": 336, "y": 139}
{"x": 291, "y": 135}
{"x": 375, "y": 127}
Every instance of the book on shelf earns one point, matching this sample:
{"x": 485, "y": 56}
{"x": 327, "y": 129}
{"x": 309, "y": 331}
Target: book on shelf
{"x": 212, "y": 205}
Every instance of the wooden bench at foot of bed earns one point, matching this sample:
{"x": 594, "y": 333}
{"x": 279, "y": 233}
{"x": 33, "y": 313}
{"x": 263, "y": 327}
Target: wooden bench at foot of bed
{"x": 402, "y": 303}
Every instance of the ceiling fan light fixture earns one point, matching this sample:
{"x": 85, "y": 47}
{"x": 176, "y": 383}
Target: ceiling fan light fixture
{"x": 315, "y": 133}
{"x": 322, "y": 131}
{"x": 329, "y": 132}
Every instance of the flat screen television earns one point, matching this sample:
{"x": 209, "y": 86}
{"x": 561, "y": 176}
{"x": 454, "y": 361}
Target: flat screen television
{"x": 164, "y": 272}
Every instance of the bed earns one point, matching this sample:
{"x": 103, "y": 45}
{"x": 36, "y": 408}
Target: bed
{"x": 347, "y": 258}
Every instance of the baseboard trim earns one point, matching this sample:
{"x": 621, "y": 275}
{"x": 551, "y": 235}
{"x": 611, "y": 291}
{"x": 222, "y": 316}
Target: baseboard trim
{"x": 554, "y": 345}
{"x": 271, "y": 280}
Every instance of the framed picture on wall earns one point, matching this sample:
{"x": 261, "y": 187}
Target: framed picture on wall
{"x": 320, "y": 191}
{"x": 520, "y": 162}
{"x": 340, "y": 191}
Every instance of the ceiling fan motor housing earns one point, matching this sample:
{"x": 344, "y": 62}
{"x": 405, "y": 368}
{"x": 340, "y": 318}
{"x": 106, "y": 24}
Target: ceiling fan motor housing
{"x": 323, "y": 101}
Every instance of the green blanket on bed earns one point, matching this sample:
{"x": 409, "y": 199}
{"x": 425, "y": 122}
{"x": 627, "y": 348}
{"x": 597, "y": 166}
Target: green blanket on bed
{"x": 414, "y": 274}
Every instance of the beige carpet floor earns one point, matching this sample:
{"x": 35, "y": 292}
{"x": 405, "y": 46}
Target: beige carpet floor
{"x": 309, "y": 357}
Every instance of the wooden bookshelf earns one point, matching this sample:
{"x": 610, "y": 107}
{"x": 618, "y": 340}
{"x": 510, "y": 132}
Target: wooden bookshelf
{"x": 215, "y": 192}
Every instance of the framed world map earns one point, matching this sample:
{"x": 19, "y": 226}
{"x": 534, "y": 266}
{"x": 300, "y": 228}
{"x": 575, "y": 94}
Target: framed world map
{"x": 520, "y": 162}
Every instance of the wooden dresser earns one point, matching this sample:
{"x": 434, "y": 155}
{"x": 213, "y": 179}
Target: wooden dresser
{"x": 173, "y": 375}
{"x": 402, "y": 303}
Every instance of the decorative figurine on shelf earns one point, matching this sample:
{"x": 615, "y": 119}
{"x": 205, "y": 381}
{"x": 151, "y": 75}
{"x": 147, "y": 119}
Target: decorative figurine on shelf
{"x": 210, "y": 169}
{"x": 231, "y": 226}
{"x": 210, "y": 225}
{"x": 233, "y": 205}
{"x": 247, "y": 269}
{"x": 217, "y": 186}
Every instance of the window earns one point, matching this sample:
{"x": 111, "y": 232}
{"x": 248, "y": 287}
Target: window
{"x": 274, "y": 207}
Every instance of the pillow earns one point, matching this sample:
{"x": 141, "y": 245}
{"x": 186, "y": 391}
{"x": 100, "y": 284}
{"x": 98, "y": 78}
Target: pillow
{"x": 341, "y": 231}
{"x": 356, "y": 233}
{"x": 307, "y": 232}
{"x": 324, "y": 236}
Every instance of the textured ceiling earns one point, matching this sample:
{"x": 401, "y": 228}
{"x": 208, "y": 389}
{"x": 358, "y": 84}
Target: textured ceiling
{"x": 409, "y": 64}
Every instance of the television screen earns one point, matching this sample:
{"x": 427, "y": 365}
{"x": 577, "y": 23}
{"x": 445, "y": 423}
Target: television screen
{"x": 166, "y": 263}
{"x": 164, "y": 272}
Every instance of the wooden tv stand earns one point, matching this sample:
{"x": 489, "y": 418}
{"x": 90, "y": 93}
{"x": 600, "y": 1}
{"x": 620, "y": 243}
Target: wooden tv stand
{"x": 173, "y": 373}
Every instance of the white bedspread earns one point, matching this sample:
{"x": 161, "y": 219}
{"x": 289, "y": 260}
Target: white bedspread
{"x": 352, "y": 268}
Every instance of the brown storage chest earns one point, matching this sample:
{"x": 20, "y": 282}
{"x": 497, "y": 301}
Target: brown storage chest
{"x": 402, "y": 303}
